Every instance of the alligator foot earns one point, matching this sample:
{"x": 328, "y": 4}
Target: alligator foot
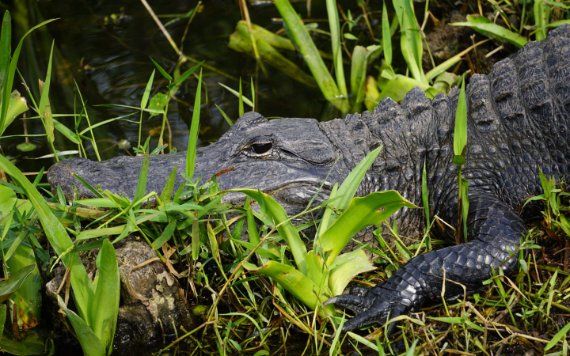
{"x": 377, "y": 305}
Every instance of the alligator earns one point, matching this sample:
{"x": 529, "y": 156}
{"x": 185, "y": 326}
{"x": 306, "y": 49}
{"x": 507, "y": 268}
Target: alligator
{"x": 518, "y": 121}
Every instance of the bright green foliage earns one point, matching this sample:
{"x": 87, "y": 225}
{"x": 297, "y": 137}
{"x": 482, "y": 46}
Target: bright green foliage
{"x": 88, "y": 296}
{"x": 304, "y": 43}
{"x": 484, "y": 26}
{"x": 555, "y": 212}
{"x": 459, "y": 144}
{"x": 542, "y": 11}
{"x": 193, "y": 136}
{"x": 323, "y": 272}
{"x": 11, "y": 104}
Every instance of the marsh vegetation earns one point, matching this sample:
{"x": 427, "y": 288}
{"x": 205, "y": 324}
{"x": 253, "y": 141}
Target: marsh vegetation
{"x": 143, "y": 79}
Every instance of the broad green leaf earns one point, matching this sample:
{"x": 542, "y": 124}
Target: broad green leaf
{"x": 104, "y": 307}
{"x": 57, "y": 237}
{"x": 16, "y": 106}
{"x": 27, "y": 299}
{"x": 157, "y": 104}
{"x": 317, "y": 272}
{"x": 347, "y": 266}
{"x": 240, "y": 41}
{"x": 295, "y": 282}
{"x": 279, "y": 217}
{"x": 397, "y": 87}
{"x": 90, "y": 343}
{"x": 32, "y": 344}
{"x": 362, "y": 212}
{"x": 193, "y": 136}
{"x": 484, "y": 26}
{"x": 360, "y": 57}
{"x": 10, "y": 285}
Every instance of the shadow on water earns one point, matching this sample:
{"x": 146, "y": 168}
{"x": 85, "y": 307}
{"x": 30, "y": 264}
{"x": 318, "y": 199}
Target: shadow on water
{"x": 105, "y": 46}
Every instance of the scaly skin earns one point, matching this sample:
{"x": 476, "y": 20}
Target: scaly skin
{"x": 518, "y": 123}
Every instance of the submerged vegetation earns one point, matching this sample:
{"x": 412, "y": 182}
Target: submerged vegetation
{"x": 254, "y": 278}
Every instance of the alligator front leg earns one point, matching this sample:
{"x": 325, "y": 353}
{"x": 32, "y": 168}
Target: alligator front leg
{"x": 495, "y": 233}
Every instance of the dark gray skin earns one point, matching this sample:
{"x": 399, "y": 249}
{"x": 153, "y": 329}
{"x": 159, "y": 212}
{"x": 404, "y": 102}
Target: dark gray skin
{"x": 518, "y": 123}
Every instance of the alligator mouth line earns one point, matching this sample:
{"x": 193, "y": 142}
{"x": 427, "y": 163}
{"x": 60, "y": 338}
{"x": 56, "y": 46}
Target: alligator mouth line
{"x": 298, "y": 192}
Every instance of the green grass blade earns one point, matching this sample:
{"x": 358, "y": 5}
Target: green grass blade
{"x": 295, "y": 282}
{"x": 144, "y": 102}
{"x": 44, "y": 106}
{"x": 105, "y": 304}
{"x": 425, "y": 195}
{"x": 241, "y": 110}
{"x": 6, "y": 89}
{"x": 460, "y": 129}
{"x": 237, "y": 94}
{"x": 143, "y": 178}
{"x": 484, "y": 26}
{"x": 386, "y": 36}
{"x": 303, "y": 41}
{"x": 57, "y": 237}
{"x": 90, "y": 343}
{"x": 282, "y": 223}
{"x": 410, "y": 38}
{"x": 559, "y": 336}
{"x": 193, "y": 136}
{"x": 334, "y": 25}
{"x": 541, "y": 14}
{"x": 360, "y": 58}
{"x": 351, "y": 183}
{"x": 5, "y": 46}
{"x": 445, "y": 65}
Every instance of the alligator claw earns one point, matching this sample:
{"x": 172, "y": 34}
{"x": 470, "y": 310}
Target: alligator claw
{"x": 376, "y": 306}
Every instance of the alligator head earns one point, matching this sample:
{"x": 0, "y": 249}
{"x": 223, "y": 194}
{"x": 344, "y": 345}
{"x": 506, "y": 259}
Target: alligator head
{"x": 291, "y": 159}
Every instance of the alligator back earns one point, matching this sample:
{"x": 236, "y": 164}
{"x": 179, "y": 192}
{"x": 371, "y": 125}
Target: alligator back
{"x": 519, "y": 117}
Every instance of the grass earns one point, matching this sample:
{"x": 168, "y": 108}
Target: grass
{"x": 237, "y": 308}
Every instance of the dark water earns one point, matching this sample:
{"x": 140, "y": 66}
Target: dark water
{"x": 105, "y": 47}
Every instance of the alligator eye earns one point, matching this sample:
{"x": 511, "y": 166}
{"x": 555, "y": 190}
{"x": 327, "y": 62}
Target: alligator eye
{"x": 261, "y": 148}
